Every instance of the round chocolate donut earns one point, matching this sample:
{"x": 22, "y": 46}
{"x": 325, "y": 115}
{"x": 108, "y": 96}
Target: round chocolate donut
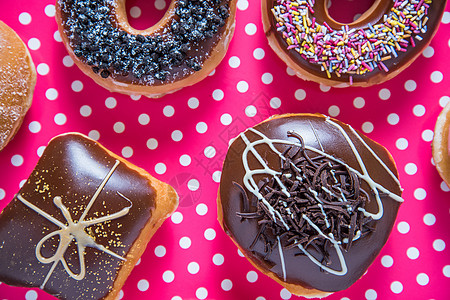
{"x": 309, "y": 201}
{"x": 180, "y": 50}
{"x": 377, "y": 46}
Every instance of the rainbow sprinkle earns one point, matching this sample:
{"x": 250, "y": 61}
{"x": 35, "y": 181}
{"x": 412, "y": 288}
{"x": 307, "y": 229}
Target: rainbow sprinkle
{"x": 351, "y": 51}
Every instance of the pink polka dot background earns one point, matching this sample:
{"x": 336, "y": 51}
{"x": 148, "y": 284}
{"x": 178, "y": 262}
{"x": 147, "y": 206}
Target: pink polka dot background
{"x": 182, "y": 139}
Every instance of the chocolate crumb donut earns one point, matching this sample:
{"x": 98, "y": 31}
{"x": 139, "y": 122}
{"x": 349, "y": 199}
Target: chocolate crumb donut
{"x": 376, "y": 47}
{"x": 180, "y": 50}
{"x": 309, "y": 201}
{"x": 81, "y": 221}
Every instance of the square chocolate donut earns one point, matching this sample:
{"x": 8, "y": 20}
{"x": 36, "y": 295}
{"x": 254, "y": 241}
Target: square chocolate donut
{"x": 81, "y": 221}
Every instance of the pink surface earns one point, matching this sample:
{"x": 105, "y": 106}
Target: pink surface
{"x": 182, "y": 139}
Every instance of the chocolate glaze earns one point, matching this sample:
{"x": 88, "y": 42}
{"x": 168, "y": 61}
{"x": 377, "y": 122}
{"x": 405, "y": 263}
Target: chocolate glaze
{"x": 435, "y": 13}
{"x": 72, "y": 167}
{"x": 169, "y": 54}
{"x": 299, "y": 268}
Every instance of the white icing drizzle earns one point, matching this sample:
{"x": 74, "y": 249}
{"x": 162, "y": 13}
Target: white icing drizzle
{"x": 251, "y": 185}
{"x": 74, "y": 230}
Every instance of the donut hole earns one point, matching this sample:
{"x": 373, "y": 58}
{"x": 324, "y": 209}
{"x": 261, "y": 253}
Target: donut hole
{"x": 347, "y": 11}
{"x": 143, "y": 14}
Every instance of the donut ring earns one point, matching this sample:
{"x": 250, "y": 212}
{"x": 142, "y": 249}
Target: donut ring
{"x": 376, "y": 47}
{"x": 180, "y": 50}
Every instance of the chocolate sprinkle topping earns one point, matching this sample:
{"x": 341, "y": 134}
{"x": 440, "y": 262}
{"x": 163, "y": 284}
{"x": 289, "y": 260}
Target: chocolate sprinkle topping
{"x": 92, "y": 33}
{"x": 320, "y": 191}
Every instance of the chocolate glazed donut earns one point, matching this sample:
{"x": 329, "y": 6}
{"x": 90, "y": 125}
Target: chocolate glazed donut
{"x": 180, "y": 50}
{"x": 309, "y": 201}
{"x": 376, "y": 47}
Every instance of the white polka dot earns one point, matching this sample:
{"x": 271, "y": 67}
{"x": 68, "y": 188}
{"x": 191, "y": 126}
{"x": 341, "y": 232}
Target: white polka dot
{"x": 242, "y": 4}
{"x": 177, "y": 217}
{"x": 267, "y": 78}
{"x": 201, "y": 127}
{"x": 185, "y": 242}
{"x": 135, "y": 12}
{"x": 250, "y": 29}
{"x": 152, "y": 144}
{"x": 242, "y": 86}
{"x": 345, "y": 298}
{"x": 401, "y": 143}
{"x": 201, "y": 209}
{"x": 436, "y": 76}
{"x": 160, "y": 4}
{"x": 212, "y": 72}
{"x": 419, "y": 110}
{"x": 444, "y": 100}
{"x": 216, "y": 176}
{"x": 234, "y": 62}
{"x": 143, "y": 285}
{"x": 240, "y": 253}
{"x": 201, "y": 293}
{"x": 209, "y": 152}
{"x": 34, "y": 127}
{"x": 218, "y": 259}
{"x": 393, "y": 119}
{"x": 176, "y": 298}
{"x": 17, "y": 160}
{"x": 250, "y": 111}
{"x": 68, "y": 61}
{"x": 85, "y": 110}
{"x": 410, "y": 168}
{"x": 177, "y": 135}
{"x": 94, "y": 134}
{"x": 31, "y": 295}
{"x": 60, "y": 119}
{"x": 185, "y": 160}
{"x": 226, "y": 285}
{"x": 444, "y": 187}
{"x": 40, "y": 151}
{"x": 25, "y": 18}
{"x": 371, "y": 294}
{"x": 367, "y": 127}
{"x": 226, "y": 119}
{"x": 384, "y": 94}
{"x": 410, "y": 85}
{"x": 420, "y": 193}
{"x": 413, "y": 253}
{"x": 429, "y": 219}
{"x": 160, "y": 251}
{"x": 423, "y": 279}
{"x": 210, "y": 234}
{"x": 22, "y": 182}
{"x": 2, "y": 194}
{"x": 428, "y": 52}
{"x": 285, "y": 294}
{"x": 403, "y": 227}
{"x": 144, "y": 119}
{"x": 193, "y": 184}
{"x": 324, "y": 88}
{"x": 43, "y": 69}
{"x": 57, "y": 36}
{"x": 168, "y": 111}
{"x": 34, "y": 44}
{"x": 135, "y": 97}
{"x": 258, "y": 53}
{"x": 290, "y": 72}
{"x": 439, "y": 245}
{"x": 193, "y": 267}
{"x": 127, "y": 152}
{"x": 252, "y": 276}
{"x": 396, "y": 287}
{"x": 275, "y": 103}
{"x": 51, "y": 94}
{"x": 427, "y": 135}
{"x": 168, "y": 276}
{"x": 446, "y": 17}
{"x": 160, "y": 168}
{"x": 446, "y": 271}
{"x": 193, "y": 103}
{"x": 119, "y": 127}
{"x": 387, "y": 261}
{"x": 359, "y": 102}
{"x": 50, "y": 10}
{"x": 300, "y": 94}
{"x": 77, "y": 86}
{"x": 334, "y": 110}
{"x": 218, "y": 95}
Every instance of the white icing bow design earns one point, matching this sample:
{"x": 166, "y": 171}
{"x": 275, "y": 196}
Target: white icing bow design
{"x": 74, "y": 230}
